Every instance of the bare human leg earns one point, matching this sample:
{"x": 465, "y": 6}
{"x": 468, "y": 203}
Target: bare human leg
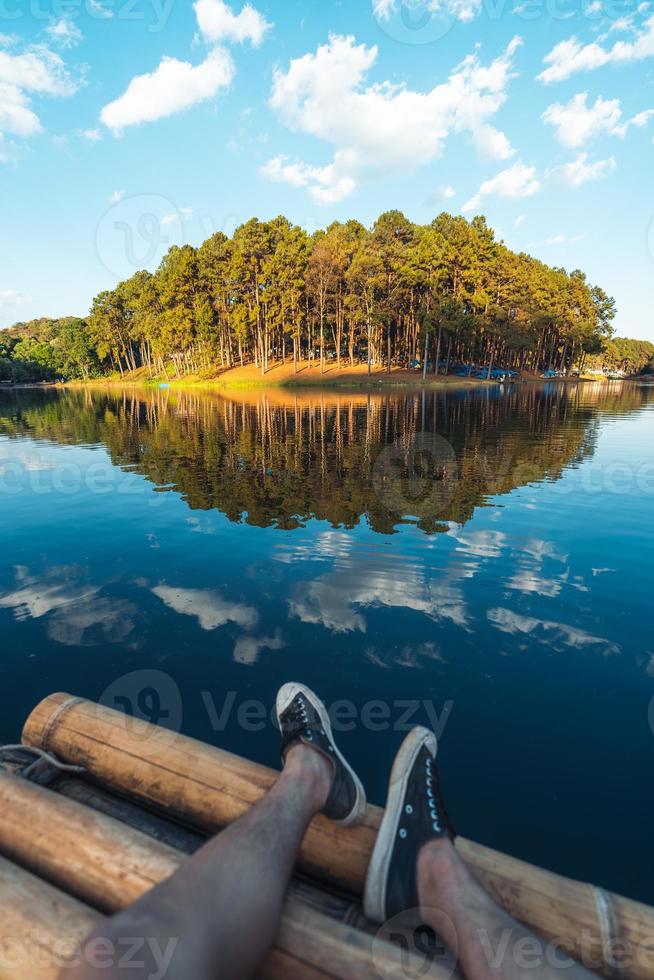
{"x": 416, "y": 869}
{"x": 218, "y": 915}
{"x": 488, "y": 942}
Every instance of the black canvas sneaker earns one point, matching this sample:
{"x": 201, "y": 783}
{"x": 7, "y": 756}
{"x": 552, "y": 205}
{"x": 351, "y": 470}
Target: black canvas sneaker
{"x": 303, "y": 718}
{"x": 414, "y": 815}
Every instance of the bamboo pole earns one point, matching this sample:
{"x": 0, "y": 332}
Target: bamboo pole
{"x": 209, "y": 788}
{"x": 101, "y": 861}
{"x": 110, "y": 865}
{"x": 41, "y": 929}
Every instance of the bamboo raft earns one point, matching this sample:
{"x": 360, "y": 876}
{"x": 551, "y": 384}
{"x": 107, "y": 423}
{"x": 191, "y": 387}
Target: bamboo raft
{"x": 80, "y": 842}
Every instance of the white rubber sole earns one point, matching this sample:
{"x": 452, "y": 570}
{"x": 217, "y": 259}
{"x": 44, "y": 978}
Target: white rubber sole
{"x": 286, "y": 694}
{"x": 374, "y": 899}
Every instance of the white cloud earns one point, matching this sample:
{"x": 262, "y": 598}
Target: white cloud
{"x": 170, "y": 88}
{"x": 443, "y": 193}
{"x": 92, "y": 135}
{"x": 640, "y": 119}
{"x": 36, "y": 71}
{"x": 464, "y": 10}
{"x": 218, "y": 22}
{"x": 209, "y": 607}
{"x": 622, "y": 24}
{"x": 580, "y": 171}
{"x": 75, "y": 612}
{"x": 571, "y": 56}
{"x": 481, "y": 544}
{"x": 338, "y": 599}
{"x": 247, "y": 648}
{"x": 563, "y": 239}
{"x": 15, "y": 115}
{"x": 382, "y": 129}
{"x": 519, "y": 220}
{"x": 576, "y": 122}
{"x": 65, "y": 33}
{"x": 179, "y": 215}
{"x": 327, "y": 184}
{"x": 99, "y": 10}
{"x": 516, "y": 181}
{"x": 552, "y": 634}
{"x": 11, "y": 297}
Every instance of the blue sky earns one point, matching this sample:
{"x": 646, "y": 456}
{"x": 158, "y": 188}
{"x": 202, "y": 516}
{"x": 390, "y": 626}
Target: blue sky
{"x": 129, "y": 125}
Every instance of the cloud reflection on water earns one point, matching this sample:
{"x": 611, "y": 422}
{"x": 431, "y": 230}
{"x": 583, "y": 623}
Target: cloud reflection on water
{"x": 77, "y": 613}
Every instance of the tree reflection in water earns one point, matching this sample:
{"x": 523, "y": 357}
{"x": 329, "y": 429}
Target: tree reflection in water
{"x": 279, "y": 458}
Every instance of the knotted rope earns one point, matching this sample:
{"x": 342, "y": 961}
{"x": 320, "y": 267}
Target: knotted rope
{"x": 6, "y": 751}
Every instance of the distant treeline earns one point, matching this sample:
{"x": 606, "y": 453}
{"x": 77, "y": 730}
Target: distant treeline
{"x": 397, "y": 294}
{"x": 630, "y": 356}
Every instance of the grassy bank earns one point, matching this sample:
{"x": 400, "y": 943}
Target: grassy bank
{"x": 282, "y": 375}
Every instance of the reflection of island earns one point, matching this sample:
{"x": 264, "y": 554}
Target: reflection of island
{"x": 280, "y": 459}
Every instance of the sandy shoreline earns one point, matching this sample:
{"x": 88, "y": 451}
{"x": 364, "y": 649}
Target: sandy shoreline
{"x": 282, "y": 375}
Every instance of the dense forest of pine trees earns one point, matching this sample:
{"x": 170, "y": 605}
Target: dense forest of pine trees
{"x": 398, "y": 294}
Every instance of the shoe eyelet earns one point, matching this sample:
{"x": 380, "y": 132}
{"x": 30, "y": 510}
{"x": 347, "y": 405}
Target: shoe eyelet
{"x": 429, "y": 780}
{"x": 408, "y": 808}
{"x": 436, "y": 826}
{"x": 402, "y": 833}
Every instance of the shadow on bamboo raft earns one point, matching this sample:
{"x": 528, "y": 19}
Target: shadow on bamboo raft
{"x": 79, "y": 848}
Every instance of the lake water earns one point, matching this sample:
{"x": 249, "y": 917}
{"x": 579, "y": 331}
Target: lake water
{"x": 478, "y": 560}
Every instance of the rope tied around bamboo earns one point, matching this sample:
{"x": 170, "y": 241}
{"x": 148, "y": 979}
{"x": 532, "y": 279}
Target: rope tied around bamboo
{"x": 13, "y": 757}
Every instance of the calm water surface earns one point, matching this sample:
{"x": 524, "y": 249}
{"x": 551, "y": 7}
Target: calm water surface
{"x": 478, "y": 560}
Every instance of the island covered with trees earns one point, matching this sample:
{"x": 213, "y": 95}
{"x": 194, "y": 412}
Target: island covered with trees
{"x": 429, "y": 298}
